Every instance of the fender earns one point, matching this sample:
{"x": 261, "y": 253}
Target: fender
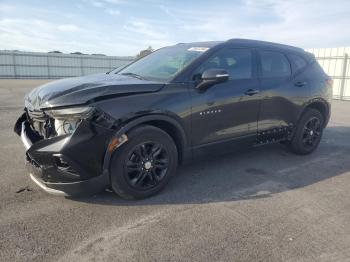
{"x": 324, "y": 102}
{"x": 143, "y": 119}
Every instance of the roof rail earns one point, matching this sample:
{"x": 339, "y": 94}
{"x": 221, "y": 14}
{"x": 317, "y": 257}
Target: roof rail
{"x": 264, "y": 44}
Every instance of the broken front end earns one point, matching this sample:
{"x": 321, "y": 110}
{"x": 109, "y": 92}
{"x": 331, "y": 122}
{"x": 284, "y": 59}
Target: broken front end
{"x": 65, "y": 148}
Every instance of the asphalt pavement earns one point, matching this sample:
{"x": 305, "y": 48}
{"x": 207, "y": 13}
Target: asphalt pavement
{"x": 261, "y": 204}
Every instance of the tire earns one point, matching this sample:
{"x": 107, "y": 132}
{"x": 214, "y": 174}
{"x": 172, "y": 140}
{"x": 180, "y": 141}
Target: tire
{"x": 143, "y": 165}
{"x": 308, "y": 132}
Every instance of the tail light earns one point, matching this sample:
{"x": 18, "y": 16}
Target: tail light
{"x": 329, "y": 82}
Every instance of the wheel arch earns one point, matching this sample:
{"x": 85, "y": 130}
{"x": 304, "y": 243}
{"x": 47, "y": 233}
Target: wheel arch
{"x": 320, "y": 105}
{"x": 164, "y": 122}
{"x": 174, "y": 131}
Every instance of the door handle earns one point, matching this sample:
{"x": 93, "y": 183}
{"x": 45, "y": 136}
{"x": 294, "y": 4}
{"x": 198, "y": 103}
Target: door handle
{"x": 251, "y": 92}
{"x": 300, "y": 83}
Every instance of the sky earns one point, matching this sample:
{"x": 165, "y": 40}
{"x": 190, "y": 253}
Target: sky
{"x": 124, "y": 27}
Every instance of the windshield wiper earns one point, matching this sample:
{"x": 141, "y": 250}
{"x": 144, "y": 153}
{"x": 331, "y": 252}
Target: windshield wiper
{"x": 133, "y": 75}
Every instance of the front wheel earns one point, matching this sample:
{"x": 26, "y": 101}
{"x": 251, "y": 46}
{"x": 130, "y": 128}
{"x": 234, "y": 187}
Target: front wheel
{"x": 308, "y": 132}
{"x": 142, "y": 166}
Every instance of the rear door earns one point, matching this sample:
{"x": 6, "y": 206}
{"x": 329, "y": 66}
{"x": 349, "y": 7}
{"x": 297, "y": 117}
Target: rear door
{"x": 278, "y": 97}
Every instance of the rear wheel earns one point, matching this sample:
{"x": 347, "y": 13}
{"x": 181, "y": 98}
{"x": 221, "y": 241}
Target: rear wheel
{"x": 308, "y": 133}
{"x": 142, "y": 166}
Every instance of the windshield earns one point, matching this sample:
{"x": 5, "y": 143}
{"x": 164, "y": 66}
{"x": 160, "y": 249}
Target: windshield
{"x": 164, "y": 63}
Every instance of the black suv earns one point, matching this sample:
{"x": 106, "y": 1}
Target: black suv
{"x": 128, "y": 129}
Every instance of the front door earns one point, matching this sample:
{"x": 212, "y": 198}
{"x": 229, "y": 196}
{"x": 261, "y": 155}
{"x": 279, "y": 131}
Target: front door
{"x": 228, "y": 110}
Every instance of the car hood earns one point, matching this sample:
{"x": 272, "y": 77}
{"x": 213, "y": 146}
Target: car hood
{"x": 81, "y": 90}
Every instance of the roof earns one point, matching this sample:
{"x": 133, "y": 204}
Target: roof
{"x": 245, "y": 43}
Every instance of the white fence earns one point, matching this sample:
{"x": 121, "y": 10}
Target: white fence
{"x": 15, "y": 64}
{"x": 335, "y": 62}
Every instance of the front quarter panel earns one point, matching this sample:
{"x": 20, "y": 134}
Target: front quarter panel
{"x": 173, "y": 100}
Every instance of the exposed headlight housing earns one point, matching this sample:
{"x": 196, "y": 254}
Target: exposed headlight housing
{"x": 67, "y": 119}
{"x": 71, "y": 113}
{"x": 64, "y": 127}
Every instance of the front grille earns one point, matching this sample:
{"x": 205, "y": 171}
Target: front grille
{"x": 36, "y": 115}
{"x": 41, "y": 123}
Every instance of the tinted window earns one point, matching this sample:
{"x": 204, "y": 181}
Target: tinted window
{"x": 298, "y": 61}
{"x": 164, "y": 63}
{"x": 237, "y": 62}
{"x": 274, "y": 64}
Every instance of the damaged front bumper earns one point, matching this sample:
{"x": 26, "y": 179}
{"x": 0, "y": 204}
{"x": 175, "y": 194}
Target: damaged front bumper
{"x": 69, "y": 165}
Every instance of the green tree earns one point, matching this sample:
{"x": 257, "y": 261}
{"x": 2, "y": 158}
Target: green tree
{"x": 144, "y": 52}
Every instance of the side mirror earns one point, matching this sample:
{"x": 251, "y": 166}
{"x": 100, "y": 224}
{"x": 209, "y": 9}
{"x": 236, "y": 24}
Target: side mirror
{"x": 211, "y": 77}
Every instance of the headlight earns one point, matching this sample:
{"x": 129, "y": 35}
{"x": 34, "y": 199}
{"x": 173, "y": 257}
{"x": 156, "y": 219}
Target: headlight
{"x": 64, "y": 127}
{"x": 73, "y": 113}
{"x": 68, "y": 119}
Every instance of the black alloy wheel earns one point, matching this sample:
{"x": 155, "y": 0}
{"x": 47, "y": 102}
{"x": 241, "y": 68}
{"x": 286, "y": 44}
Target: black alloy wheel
{"x": 308, "y": 132}
{"x": 311, "y": 132}
{"x": 146, "y": 165}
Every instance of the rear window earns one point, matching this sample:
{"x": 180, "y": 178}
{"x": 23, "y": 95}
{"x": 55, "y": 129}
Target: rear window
{"x": 274, "y": 64}
{"x": 298, "y": 61}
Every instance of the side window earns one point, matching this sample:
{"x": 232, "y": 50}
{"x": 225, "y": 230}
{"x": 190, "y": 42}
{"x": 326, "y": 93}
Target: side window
{"x": 299, "y": 62}
{"x": 274, "y": 64}
{"x": 237, "y": 62}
